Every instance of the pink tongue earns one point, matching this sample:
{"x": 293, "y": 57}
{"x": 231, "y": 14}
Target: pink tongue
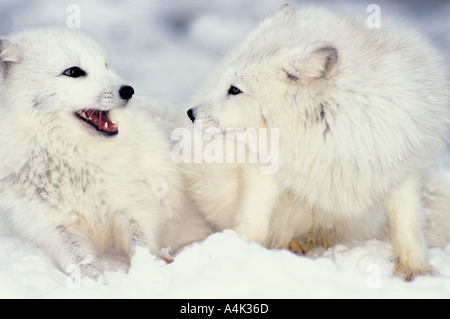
{"x": 101, "y": 122}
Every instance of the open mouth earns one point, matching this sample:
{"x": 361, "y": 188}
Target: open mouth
{"x": 99, "y": 120}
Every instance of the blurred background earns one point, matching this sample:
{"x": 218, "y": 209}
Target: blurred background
{"x": 166, "y": 49}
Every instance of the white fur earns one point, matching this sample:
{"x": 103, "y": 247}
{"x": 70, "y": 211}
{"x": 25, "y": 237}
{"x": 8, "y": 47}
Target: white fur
{"x": 64, "y": 186}
{"x": 361, "y": 112}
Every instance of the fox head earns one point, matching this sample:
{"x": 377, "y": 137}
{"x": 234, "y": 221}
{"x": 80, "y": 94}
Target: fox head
{"x": 259, "y": 80}
{"x": 61, "y": 75}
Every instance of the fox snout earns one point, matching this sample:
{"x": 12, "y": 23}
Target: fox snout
{"x": 126, "y": 92}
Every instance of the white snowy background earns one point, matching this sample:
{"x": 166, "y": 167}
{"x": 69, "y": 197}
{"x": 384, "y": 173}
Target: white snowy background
{"x": 165, "y": 49}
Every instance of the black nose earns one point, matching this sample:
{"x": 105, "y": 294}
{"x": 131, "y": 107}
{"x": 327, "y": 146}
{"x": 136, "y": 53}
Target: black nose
{"x": 191, "y": 114}
{"x": 126, "y": 92}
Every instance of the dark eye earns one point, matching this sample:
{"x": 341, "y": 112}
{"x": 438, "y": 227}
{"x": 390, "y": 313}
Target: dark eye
{"x": 74, "y": 72}
{"x": 234, "y": 90}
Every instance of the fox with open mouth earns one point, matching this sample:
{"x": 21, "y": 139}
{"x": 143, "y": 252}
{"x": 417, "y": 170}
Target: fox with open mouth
{"x": 83, "y": 173}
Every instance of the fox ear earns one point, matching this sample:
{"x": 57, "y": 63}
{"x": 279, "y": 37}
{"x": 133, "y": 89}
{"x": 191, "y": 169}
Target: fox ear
{"x": 320, "y": 64}
{"x": 9, "y": 53}
{"x": 287, "y": 8}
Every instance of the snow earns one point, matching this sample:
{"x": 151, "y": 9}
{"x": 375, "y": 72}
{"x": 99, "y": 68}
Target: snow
{"x": 225, "y": 266}
{"x": 165, "y": 50}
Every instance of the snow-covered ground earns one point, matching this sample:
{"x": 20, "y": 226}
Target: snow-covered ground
{"x": 165, "y": 49}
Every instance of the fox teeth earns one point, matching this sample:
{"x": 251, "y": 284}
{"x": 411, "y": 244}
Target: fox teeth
{"x": 82, "y": 114}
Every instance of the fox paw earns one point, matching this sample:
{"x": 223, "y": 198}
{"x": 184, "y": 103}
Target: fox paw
{"x": 165, "y": 255}
{"x": 296, "y": 247}
{"x": 409, "y": 272}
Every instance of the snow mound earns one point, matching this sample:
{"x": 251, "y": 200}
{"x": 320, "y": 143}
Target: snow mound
{"x": 226, "y": 266}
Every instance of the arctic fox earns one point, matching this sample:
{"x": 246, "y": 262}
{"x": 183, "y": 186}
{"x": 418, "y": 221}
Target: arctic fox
{"x": 83, "y": 173}
{"x": 361, "y": 113}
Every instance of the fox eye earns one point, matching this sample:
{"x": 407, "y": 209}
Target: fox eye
{"x": 74, "y": 72}
{"x": 234, "y": 90}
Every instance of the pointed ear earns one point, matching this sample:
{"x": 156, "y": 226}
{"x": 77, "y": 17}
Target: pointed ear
{"x": 320, "y": 64}
{"x": 9, "y": 52}
{"x": 287, "y": 8}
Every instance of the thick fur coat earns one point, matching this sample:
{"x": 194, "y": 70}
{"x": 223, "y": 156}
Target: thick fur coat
{"x": 84, "y": 171}
{"x": 361, "y": 113}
